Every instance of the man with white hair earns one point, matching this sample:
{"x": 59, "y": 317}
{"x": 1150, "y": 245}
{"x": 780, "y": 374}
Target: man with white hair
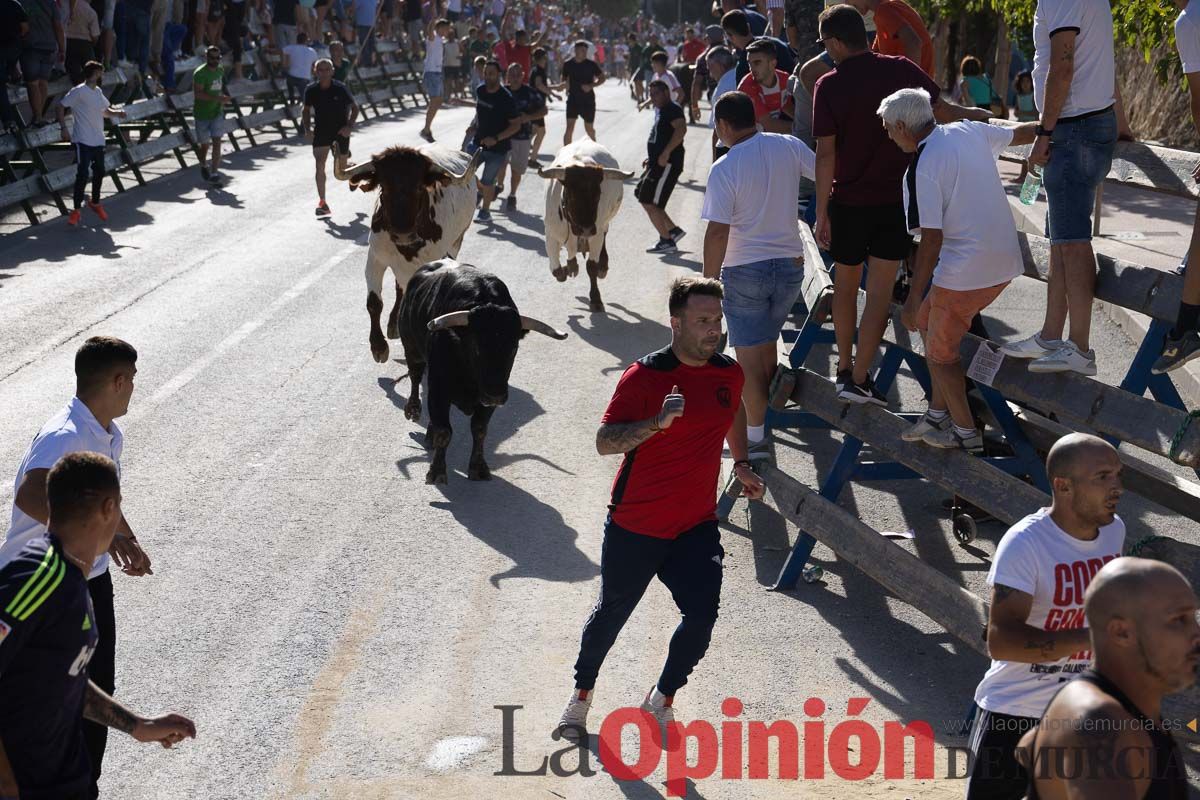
{"x": 954, "y": 201}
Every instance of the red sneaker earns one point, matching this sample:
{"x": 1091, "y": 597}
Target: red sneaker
{"x": 99, "y": 209}
{"x": 74, "y": 218}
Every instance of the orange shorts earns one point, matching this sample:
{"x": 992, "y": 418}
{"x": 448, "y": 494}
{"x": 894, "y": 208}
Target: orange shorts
{"x": 945, "y": 317}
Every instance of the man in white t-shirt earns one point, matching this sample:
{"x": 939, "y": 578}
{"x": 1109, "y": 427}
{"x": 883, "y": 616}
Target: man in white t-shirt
{"x": 1182, "y": 344}
{"x": 753, "y": 243}
{"x": 955, "y": 202}
{"x": 89, "y": 107}
{"x": 432, "y": 80}
{"x": 104, "y": 371}
{"x": 298, "y": 60}
{"x": 1037, "y": 633}
{"x": 1074, "y": 88}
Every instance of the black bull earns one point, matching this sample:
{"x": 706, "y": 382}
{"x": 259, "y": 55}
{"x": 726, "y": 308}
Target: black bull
{"x": 461, "y": 325}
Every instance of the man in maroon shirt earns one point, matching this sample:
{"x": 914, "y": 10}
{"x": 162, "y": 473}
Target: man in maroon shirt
{"x": 518, "y": 50}
{"x": 860, "y": 213}
{"x": 662, "y": 520}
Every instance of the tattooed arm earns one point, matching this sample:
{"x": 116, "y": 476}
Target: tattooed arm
{"x": 1058, "y": 86}
{"x": 167, "y": 730}
{"x": 621, "y": 437}
{"x": 1011, "y": 638}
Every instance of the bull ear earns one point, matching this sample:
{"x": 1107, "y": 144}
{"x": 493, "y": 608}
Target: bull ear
{"x": 611, "y": 173}
{"x": 537, "y": 326}
{"x": 553, "y": 173}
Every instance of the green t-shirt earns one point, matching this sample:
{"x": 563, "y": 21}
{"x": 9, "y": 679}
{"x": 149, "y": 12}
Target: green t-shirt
{"x": 208, "y": 80}
{"x": 478, "y": 48}
{"x": 341, "y": 71}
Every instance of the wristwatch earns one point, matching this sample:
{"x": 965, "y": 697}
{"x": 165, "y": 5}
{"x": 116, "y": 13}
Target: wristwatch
{"x": 1041, "y": 130}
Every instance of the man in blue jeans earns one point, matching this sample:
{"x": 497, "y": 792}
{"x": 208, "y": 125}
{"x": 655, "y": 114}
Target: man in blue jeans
{"x": 1074, "y": 85}
{"x": 753, "y": 243}
{"x": 669, "y": 416}
{"x": 497, "y": 120}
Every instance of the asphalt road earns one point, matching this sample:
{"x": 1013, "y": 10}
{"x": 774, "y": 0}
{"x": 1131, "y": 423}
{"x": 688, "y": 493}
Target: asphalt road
{"x": 339, "y": 629}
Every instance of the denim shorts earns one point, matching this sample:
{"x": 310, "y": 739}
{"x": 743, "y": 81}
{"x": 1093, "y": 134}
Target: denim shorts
{"x": 492, "y": 162}
{"x": 1081, "y": 153}
{"x": 208, "y": 129}
{"x": 758, "y": 298}
{"x": 434, "y": 86}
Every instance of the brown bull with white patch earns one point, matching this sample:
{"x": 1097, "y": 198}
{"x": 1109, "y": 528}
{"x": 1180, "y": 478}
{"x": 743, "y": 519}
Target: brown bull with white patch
{"x": 583, "y": 196}
{"x": 425, "y": 204}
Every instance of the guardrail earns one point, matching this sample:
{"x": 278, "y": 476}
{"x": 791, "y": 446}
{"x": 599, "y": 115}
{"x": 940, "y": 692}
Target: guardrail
{"x": 35, "y": 164}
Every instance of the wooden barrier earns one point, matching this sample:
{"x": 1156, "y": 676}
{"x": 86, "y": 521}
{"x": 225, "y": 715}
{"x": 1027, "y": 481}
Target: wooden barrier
{"x": 32, "y": 164}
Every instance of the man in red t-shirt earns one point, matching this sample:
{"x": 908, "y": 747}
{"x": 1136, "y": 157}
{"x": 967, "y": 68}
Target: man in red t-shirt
{"x": 767, "y": 88}
{"x": 692, "y": 48}
{"x": 899, "y": 31}
{"x": 518, "y": 50}
{"x": 670, "y": 415}
{"x": 860, "y": 210}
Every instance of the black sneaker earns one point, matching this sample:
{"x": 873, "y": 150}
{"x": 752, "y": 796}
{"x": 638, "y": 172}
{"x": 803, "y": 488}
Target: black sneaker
{"x": 205, "y": 173}
{"x": 663, "y": 246}
{"x": 1177, "y": 352}
{"x": 862, "y": 393}
{"x": 510, "y": 204}
{"x": 677, "y": 233}
{"x": 843, "y": 378}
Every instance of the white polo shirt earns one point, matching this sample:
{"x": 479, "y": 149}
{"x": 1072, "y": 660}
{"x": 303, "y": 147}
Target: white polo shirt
{"x": 1187, "y": 38}
{"x": 87, "y": 104}
{"x": 72, "y": 430}
{"x": 753, "y": 189}
{"x": 1093, "y": 82}
{"x": 958, "y": 191}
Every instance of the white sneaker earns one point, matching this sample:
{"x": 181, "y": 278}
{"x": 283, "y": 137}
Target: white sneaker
{"x": 572, "y": 726}
{"x": 1067, "y": 358}
{"x": 655, "y": 703}
{"x": 925, "y": 425}
{"x": 1033, "y": 347}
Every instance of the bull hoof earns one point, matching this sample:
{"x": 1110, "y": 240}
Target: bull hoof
{"x": 393, "y": 329}
{"x": 479, "y": 472}
{"x": 601, "y": 273}
{"x": 437, "y": 437}
{"x": 434, "y": 477}
{"x": 381, "y": 353}
{"x": 412, "y": 410}
{"x": 573, "y": 269}
{"x": 560, "y": 274}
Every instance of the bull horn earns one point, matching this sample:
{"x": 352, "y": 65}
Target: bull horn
{"x": 341, "y": 173}
{"x": 553, "y": 173}
{"x": 466, "y": 173}
{"x": 455, "y": 319}
{"x": 617, "y": 174}
{"x": 537, "y": 326}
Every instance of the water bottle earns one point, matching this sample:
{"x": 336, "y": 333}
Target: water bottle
{"x": 1032, "y": 186}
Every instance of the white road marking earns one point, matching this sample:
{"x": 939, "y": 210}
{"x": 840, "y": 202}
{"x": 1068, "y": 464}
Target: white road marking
{"x": 168, "y": 389}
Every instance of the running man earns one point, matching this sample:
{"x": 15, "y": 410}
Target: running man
{"x": 1036, "y": 633}
{"x": 662, "y": 167}
{"x": 496, "y": 121}
{"x": 540, "y": 82}
{"x": 331, "y": 109}
{"x": 1146, "y": 645}
{"x": 580, "y": 77}
{"x": 104, "y": 372}
{"x": 89, "y": 107}
{"x": 672, "y": 409}
{"x": 49, "y": 632}
{"x": 531, "y": 107}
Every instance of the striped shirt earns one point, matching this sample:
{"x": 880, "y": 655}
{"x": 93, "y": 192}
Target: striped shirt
{"x": 47, "y": 637}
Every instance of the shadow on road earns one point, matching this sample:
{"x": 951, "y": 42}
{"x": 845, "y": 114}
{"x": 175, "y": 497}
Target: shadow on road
{"x": 638, "y": 789}
{"x": 627, "y": 337}
{"x": 497, "y": 229}
{"x": 352, "y": 231}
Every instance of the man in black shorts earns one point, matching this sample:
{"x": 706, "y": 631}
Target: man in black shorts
{"x": 663, "y": 166}
{"x": 332, "y": 111}
{"x": 672, "y": 410}
{"x": 580, "y": 77}
{"x": 48, "y": 633}
{"x": 540, "y": 82}
{"x": 1102, "y": 735}
{"x": 860, "y": 210}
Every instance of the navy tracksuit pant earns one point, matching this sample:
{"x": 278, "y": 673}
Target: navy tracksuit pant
{"x": 689, "y": 566}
